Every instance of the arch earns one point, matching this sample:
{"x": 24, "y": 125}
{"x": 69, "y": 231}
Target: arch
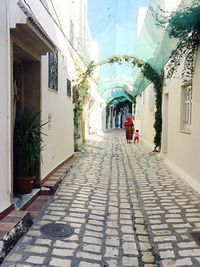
{"x": 116, "y": 92}
{"x": 147, "y": 71}
{"x": 111, "y": 85}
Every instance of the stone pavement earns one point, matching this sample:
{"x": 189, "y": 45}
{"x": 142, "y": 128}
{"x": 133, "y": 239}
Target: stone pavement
{"x": 127, "y": 209}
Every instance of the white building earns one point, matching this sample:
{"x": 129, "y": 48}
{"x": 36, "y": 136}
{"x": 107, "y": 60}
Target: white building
{"x": 181, "y": 125}
{"x": 39, "y": 41}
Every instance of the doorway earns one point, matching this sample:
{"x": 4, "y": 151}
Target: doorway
{"x": 26, "y": 91}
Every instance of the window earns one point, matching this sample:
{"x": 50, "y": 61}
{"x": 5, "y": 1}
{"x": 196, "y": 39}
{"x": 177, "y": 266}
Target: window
{"x": 53, "y": 70}
{"x": 186, "y": 107}
{"x": 69, "y": 88}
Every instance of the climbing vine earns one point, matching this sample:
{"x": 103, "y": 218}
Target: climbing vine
{"x": 147, "y": 71}
{"x": 184, "y": 25}
{"x": 82, "y": 87}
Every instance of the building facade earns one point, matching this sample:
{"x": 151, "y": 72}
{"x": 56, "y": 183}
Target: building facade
{"x": 40, "y": 42}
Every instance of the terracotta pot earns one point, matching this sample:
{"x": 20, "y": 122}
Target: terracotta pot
{"x": 24, "y": 185}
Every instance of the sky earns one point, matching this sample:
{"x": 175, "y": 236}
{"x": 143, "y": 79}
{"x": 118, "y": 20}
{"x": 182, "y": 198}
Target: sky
{"x": 113, "y": 24}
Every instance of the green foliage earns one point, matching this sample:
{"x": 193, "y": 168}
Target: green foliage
{"x": 77, "y": 116}
{"x": 158, "y": 113}
{"x": 27, "y": 143}
{"x": 82, "y": 88}
{"x": 183, "y": 24}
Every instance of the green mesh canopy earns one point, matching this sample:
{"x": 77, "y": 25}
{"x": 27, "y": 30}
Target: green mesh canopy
{"x": 152, "y": 44}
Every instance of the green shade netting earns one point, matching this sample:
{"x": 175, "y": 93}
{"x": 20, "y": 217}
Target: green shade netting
{"x": 117, "y": 100}
{"x": 118, "y": 92}
{"x": 153, "y": 46}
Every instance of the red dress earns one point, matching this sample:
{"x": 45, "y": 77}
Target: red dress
{"x": 128, "y": 124}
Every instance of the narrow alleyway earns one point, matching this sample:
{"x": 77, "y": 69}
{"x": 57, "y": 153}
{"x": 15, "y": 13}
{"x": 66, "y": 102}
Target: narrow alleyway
{"x": 126, "y": 207}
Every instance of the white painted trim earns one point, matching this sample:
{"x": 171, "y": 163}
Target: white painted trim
{"x": 186, "y": 177}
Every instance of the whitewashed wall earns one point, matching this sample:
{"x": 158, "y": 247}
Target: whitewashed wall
{"x": 97, "y": 118}
{"x": 147, "y": 112}
{"x": 59, "y": 142}
{"x": 95, "y": 112}
{"x": 183, "y": 149}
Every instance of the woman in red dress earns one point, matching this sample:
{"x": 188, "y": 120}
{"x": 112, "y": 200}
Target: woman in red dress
{"x": 129, "y": 127}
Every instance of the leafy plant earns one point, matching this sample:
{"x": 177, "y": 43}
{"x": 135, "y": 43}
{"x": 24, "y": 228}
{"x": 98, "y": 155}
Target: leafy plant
{"x": 27, "y": 143}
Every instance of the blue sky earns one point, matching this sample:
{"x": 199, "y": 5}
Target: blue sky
{"x": 113, "y": 25}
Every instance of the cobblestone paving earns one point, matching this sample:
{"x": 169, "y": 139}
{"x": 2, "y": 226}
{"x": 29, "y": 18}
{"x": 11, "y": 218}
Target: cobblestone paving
{"x": 126, "y": 207}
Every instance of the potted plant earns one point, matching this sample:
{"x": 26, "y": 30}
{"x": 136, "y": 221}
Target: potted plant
{"x": 27, "y": 150}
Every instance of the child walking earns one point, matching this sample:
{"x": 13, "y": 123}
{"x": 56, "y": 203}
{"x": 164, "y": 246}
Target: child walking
{"x": 136, "y": 136}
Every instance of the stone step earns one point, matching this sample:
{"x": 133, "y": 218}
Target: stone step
{"x": 12, "y": 228}
{"x": 51, "y": 184}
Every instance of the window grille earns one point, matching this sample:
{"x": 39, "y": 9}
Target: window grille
{"x": 186, "y": 107}
{"x": 53, "y": 70}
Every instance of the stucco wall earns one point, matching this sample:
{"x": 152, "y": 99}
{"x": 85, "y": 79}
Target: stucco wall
{"x": 59, "y": 142}
{"x": 147, "y": 116}
{"x": 183, "y": 149}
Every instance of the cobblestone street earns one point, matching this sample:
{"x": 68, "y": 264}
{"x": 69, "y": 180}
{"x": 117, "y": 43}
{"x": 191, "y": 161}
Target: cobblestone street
{"x": 127, "y": 209}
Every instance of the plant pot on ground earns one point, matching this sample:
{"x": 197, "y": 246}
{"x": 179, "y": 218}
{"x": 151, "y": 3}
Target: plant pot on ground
{"x": 27, "y": 150}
